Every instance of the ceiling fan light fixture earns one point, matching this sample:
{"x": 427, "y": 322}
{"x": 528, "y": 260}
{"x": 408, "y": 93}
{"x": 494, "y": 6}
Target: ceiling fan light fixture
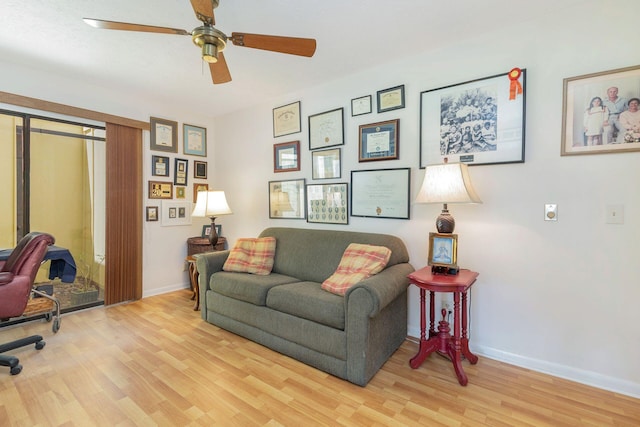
{"x": 210, "y": 52}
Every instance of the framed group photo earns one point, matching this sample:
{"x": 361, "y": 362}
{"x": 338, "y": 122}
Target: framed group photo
{"x": 601, "y": 112}
{"x": 478, "y": 122}
{"x": 328, "y": 203}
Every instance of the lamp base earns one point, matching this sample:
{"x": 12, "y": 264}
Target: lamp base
{"x": 213, "y": 236}
{"x": 445, "y": 222}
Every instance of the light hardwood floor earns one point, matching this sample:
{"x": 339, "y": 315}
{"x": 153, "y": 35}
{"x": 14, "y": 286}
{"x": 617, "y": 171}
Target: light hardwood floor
{"x": 155, "y": 362}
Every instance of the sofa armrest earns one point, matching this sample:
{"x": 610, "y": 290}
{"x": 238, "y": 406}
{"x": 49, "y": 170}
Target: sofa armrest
{"x": 208, "y": 263}
{"x": 383, "y": 287}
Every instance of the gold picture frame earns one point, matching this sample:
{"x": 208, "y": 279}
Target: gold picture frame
{"x": 443, "y": 250}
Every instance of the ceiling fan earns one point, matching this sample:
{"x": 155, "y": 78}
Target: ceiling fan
{"x": 213, "y": 41}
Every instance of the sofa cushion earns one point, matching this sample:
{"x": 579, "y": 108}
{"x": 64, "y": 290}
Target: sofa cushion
{"x": 247, "y": 287}
{"x": 309, "y": 301}
{"x": 251, "y": 255}
{"x": 358, "y": 262}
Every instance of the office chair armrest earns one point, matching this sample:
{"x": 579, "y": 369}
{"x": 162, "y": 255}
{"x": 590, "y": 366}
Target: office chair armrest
{"x": 5, "y": 277}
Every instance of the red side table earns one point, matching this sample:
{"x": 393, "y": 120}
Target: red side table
{"x": 452, "y": 346}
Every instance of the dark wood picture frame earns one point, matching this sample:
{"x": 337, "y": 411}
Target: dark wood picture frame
{"x": 286, "y": 156}
{"x": 379, "y": 141}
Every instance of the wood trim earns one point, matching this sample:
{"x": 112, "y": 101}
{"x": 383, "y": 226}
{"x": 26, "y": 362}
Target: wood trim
{"x": 123, "y": 267}
{"x": 39, "y": 104}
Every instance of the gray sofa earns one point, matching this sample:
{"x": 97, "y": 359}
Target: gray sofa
{"x": 350, "y": 337}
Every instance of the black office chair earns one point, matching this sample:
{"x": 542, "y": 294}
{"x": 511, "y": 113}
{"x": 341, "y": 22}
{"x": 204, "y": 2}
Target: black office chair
{"x": 17, "y": 275}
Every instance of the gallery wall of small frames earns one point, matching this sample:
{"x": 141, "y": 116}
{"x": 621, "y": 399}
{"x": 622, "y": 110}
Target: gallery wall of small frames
{"x": 177, "y": 177}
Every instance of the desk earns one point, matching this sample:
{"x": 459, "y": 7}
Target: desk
{"x": 62, "y": 263}
{"x": 453, "y": 347}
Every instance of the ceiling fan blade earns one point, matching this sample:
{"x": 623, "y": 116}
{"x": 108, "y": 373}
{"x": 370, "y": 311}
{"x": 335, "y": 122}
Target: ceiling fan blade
{"x": 219, "y": 70}
{"x": 204, "y": 10}
{"x": 113, "y": 25}
{"x": 290, "y": 45}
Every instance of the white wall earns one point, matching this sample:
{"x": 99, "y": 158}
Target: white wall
{"x": 558, "y": 297}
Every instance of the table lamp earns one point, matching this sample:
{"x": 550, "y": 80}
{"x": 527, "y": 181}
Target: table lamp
{"x": 211, "y": 204}
{"x": 447, "y": 183}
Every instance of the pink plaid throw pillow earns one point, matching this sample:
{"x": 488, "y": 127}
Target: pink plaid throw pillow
{"x": 252, "y": 256}
{"x": 358, "y": 262}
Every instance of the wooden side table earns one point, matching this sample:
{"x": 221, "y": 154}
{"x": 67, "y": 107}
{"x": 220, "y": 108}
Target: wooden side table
{"x": 195, "y": 246}
{"x": 453, "y": 347}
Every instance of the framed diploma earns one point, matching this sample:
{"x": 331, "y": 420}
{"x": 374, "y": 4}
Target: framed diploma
{"x": 326, "y": 129}
{"x": 391, "y": 99}
{"x": 286, "y": 119}
{"x": 361, "y": 105}
{"x": 195, "y": 140}
{"x": 164, "y": 135}
{"x": 381, "y": 193}
{"x": 379, "y": 141}
{"x": 328, "y": 203}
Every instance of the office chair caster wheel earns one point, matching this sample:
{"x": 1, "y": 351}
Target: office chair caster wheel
{"x": 48, "y": 317}
{"x": 56, "y": 325}
{"x": 40, "y": 345}
{"x": 15, "y": 370}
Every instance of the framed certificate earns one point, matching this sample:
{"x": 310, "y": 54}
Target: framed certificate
{"x": 360, "y": 106}
{"x": 381, "y": 193}
{"x": 326, "y": 129}
{"x": 379, "y": 141}
{"x": 286, "y": 119}
{"x": 195, "y": 140}
{"x": 391, "y": 99}
{"x": 164, "y": 135}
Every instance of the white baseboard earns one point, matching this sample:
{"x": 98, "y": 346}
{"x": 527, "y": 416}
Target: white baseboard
{"x": 589, "y": 378}
{"x": 165, "y": 289}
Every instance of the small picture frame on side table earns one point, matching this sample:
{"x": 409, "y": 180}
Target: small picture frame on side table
{"x": 390, "y": 99}
{"x": 159, "y": 166}
{"x": 206, "y": 231}
{"x": 286, "y": 156}
{"x": 379, "y": 141}
{"x": 194, "y": 140}
{"x": 443, "y": 252}
{"x": 164, "y": 135}
{"x": 328, "y": 203}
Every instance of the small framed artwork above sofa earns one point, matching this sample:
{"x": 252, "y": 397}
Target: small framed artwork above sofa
{"x": 328, "y": 203}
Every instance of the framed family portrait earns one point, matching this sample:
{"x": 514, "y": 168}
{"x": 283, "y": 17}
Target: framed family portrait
{"x": 287, "y": 199}
{"x": 194, "y": 140}
{"x": 286, "y": 119}
{"x": 328, "y": 203}
{"x": 380, "y": 193}
{"x": 443, "y": 250}
{"x": 379, "y": 141}
{"x": 164, "y": 135}
{"x": 159, "y": 166}
{"x": 326, "y": 164}
{"x": 475, "y": 122}
{"x": 600, "y": 112}
{"x": 326, "y": 129}
{"x": 286, "y": 156}
{"x": 180, "y": 177}
{"x": 390, "y": 99}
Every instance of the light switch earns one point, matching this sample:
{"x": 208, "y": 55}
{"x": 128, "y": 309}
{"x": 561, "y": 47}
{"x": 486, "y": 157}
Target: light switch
{"x": 550, "y": 212}
{"x": 615, "y": 214}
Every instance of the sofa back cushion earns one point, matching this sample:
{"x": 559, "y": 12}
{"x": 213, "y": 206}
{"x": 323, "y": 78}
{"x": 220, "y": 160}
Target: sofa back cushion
{"x": 251, "y": 256}
{"x": 358, "y": 262}
{"x": 314, "y": 255}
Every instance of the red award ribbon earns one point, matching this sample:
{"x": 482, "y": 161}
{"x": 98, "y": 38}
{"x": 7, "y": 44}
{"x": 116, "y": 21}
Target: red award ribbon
{"x": 515, "y": 87}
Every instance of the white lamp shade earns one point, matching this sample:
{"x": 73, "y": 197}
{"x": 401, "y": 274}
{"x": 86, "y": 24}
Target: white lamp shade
{"x": 447, "y": 183}
{"x": 211, "y": 203}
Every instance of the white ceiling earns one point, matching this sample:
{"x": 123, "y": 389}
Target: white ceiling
{"x": 351, "y": 35}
